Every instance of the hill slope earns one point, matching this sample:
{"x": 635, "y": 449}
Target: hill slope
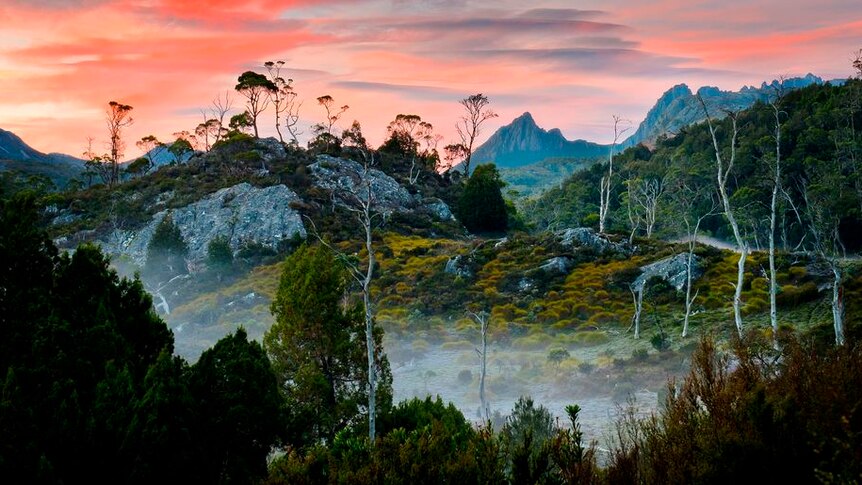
{"x": 17, "y": 156}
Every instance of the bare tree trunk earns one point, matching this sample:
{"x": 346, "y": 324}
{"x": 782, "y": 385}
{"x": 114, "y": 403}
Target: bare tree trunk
{"x": 837, "y": 303}
{"x": 689, "y": 300}
{"x": 722, "y": 175}
{"x": 482, "y": 318}
{"x": 607, "y": 181}
{"x": 773, "y": 279}
{"x": 638, "y": 297}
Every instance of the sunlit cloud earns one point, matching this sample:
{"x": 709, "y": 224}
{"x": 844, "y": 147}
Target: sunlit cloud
{"x": 62, "y": 61}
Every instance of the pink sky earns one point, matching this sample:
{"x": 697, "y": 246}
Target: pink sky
{"x": 572, "y": 64}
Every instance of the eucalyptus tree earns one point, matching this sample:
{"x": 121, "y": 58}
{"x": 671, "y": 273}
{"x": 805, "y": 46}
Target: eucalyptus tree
{"x": 257, "y": 90}
{"x": 468, "y": 127}
{"x": 606, "y": 184}
{"x": 723, "y": 171}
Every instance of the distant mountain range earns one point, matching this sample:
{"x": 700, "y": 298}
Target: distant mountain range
{"x": 678, "y": 107}
{"x": 15, "y": 155}
{"x": 522, "y": 142}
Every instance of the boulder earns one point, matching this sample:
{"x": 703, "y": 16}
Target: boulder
{"x": 588, "y": 238}
{"x": 557, "y": 265}
{"x": 670, "y": 269}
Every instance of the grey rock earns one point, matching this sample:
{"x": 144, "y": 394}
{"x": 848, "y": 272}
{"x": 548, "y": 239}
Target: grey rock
{"x": 588, "y": 238}
{"x": 670, "y": 269}
{"x": 438, "y": 209}
{"x": 459, "y": 266}
{"x": 525, "y": 285}
{"x": 242, "y": 213}
{"x": 557, "y": 265}
{"x": 347, "y": 180}
{"x": 270, "y": 149}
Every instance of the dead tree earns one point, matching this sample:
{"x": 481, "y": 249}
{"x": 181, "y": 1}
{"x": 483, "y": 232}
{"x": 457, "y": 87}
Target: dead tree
{"x": 638, "y": 299}
{"x": 824, "y": 226}
{"x": 722, "y": 174}
{"x": 483, "y": 319}
{"x": 775, "y": 104}
{"x": 650, "y": 193}
{"x": 283, "y": 100}
{"x": 607, "y": 181}
{"x": 692, "y": 215}
{"x": 360, "y": 200}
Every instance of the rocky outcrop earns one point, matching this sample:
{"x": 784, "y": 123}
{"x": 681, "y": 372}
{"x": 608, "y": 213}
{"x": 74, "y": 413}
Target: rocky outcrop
{"x": 242, "y": 213}
{"x": 348, "y": 180}
{"x": 586, "y": 237}
{"x": 672, "y": 270}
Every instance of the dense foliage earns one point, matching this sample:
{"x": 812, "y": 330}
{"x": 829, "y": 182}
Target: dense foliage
{"x": 481, "y": 207}
{"x": 90, "y": 390}
{"x": 317, "y": 346}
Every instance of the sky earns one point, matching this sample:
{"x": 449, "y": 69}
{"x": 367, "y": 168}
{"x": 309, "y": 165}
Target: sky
{"x": 572, "y": 64}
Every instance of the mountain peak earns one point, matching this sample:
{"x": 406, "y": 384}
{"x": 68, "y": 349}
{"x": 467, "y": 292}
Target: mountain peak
{"x": 522, "y": 142}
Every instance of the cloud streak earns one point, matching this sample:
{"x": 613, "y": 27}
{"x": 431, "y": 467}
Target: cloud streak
{"x": 572, "y": 68}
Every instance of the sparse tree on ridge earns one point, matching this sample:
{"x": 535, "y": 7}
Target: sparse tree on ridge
{"x": 325, "y": 137}
{"x": 117, "y": 117}
{"x": 469, "y": 125}
{"x": 283, "y": 100}
{"x": 151, "y": 148}
{"x": 257, "y": 90}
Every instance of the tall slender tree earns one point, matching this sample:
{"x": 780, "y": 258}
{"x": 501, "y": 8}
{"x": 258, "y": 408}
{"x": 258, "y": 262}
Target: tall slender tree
{"x": 723, "y": 172}
{"x": 117, "y": 117}
{"x": 606, "y": 186}
{"x": 469, "y": 126}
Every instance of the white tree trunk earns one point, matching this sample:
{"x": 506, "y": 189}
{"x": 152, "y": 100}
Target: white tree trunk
{"x": 638, "y": 297}
{"x": 482, "y": 318}
{"x": 776, "y": 183}
{"x": 722, "y": 175}
{"x": 837, "y": 303}
{"x": 607, "y": 181}
{"x": 366, "y": 220}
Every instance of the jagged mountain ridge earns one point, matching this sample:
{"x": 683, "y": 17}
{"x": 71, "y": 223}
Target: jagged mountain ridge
{"x": 523, "y": 142}
{"x": 679, "y": 107}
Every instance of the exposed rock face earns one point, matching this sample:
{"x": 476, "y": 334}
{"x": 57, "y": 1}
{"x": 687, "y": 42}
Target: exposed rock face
{"x": 242, "y": 213}
{"x": 670, "y": 269}
{"x": 345, "y": 179}
{"x": 438, "y": 209}
{"x": 588, "y": 238}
